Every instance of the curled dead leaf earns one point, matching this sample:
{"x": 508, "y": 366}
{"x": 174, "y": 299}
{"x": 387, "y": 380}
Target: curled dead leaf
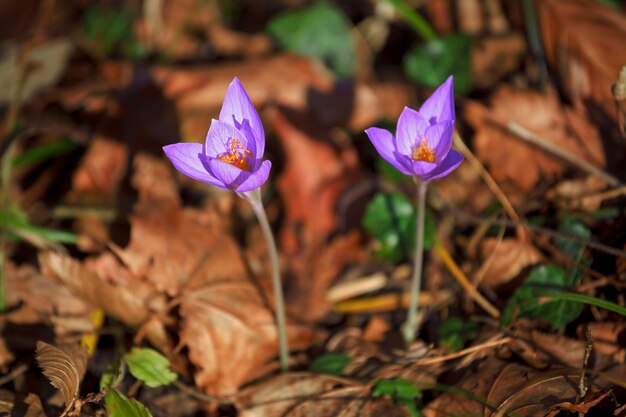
{"x": 505, "y": 259}
{"x": 65, "y": 367}
{"x": 579, "y": 38}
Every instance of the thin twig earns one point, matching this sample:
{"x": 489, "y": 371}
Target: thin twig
{"x": 465, "y": 282}
{"x": 539, "y": 229}
{"x": 582, "y": 385}
{"x": 13, "y": 374}
{"x": 530, "y": 137}
{"x": 463, "y": 352}
{"x": 490, "y": 182}
{"x": 201, "y": 396}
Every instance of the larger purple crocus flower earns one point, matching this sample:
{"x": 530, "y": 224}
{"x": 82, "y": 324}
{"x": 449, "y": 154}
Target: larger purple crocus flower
{"x": 423, "y": 139}
{"x": 231, "y": 157}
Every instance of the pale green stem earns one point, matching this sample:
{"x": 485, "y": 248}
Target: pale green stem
{"x": 409, "y": 329}
{"x": 254, "y": 197}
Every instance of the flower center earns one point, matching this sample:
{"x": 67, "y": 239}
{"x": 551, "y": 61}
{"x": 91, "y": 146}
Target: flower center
{"x": 236, "y": 155}
{"x": 423, "y": 152}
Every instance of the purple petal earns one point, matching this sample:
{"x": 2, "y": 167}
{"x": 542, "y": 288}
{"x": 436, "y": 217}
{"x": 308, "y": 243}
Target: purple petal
{"x": 229, "y": 174}
{"x": 219, "y": 136}
{"x": 257, "y": 179}
{"x": 237, "y": 107}
{"x": 440, "y": 138}
{"x": 422, "y": 168}
{"x": 411, "y": 128}
{"x": 446, "y": 166}
{"x": 384, "y": 142}
{"x": 440, "y": 105}
{"x": 188, "y": 159}
{"x": 255, "y": 159}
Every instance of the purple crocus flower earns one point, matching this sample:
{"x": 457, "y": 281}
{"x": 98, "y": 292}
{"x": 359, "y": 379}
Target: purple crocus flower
{"x": 231, "y": 157}
{"x": 423, "y": 139}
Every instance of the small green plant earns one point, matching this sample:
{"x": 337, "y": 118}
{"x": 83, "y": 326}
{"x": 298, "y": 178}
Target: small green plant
{"x": 455, "y": 332}
{"x": 391, "y": 220}
{"x": 319, "y": 31}
{"x": 401, "y": 392}
{"x": 330, "y": 363}
{"x": 536, "y": 297}
{"x": 110, "y": 32}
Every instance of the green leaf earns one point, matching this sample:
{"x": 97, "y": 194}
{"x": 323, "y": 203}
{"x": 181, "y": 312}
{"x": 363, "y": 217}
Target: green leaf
{"x": 118, "y": 405}
{"x": 319, "y": 31}
{"x": 391, "y": 220}
{"x": 432, "y": 62}
{"x": 571, "y": 248}
{"x": 529, "y": 299}
{"x": 16, "y": 222}
{"x": 150, "y": 366}
{"x": 44, "y": 152}
{"x": 330, "y": 363}
{"x": 114, "y": 374}
{"x": 400, "y": 391}
{"x": 573, "y": 226}
{"x": 616, "y": 4}
{"x": 111, "y": 31}
{"x": 455, "y": 332}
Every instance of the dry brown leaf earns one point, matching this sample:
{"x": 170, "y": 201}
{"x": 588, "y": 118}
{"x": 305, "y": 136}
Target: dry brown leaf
{"x": 313, "y": 395}
{"x": 35, "y": 407}
{"x": 314, "y": 176}
{"x": 578, "y": 194}
{"x": 43, "y": 299}
{"x": 511, "y": 159}
{"x": 6, "y": 401}
{"x": 65, "y": 367}
{"x": 506, "y": 258}
{"x": 230, "y": 333}
{"x": 590, "y": 401}
{"x": 99, "y": 175}
{"x": 189, "y": 254}
{"x": 286, "y": 80}
{"x": 44, "y": 63}
{"x": 314, "y": 271}
{"x": 606, "y": 338}
{"x": 495, "y": 57}
{"x": 582, "y": 41}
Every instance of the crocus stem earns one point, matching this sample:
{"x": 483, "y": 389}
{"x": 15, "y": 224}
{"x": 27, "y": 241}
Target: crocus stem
{"x": 254, "y": 197}
{"x": 409, "y": 329}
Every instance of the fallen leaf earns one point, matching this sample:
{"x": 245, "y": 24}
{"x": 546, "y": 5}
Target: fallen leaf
{"x": 590, "y": 401}
{"x": 286, "y": 80}
{"x": 577, "y": 194}
{"x": 313, "y": 395}
{"x": 507, "y": 156}
{"x": 579, "y": 42}
{"x": 505, "y": 259}
{"x": 314, "y": 176}
{"x": 35, "y": 407}
{"x": 65, "y": 367}
{"x": 6, "y": 401}
{"x": 100, "y": 172}
{"x": 495, "y": 57}
{"x": 45, "y": 300}
{"x": 42, "y": 67}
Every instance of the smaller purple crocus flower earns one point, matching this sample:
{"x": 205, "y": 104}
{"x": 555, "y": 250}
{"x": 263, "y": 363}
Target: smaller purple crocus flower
{"x": 423, "y": 139}
{"x": 231, "y": 157}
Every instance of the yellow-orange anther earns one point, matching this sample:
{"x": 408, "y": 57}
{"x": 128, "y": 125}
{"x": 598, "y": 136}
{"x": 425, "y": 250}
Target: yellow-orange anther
{"x": 237, "y": 155}
{"x": 423, "y": 152}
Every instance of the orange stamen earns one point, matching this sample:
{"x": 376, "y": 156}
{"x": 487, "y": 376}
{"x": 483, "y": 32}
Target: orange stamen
{"x": 237, "y": 155}
{"x": 423, "y": 152}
